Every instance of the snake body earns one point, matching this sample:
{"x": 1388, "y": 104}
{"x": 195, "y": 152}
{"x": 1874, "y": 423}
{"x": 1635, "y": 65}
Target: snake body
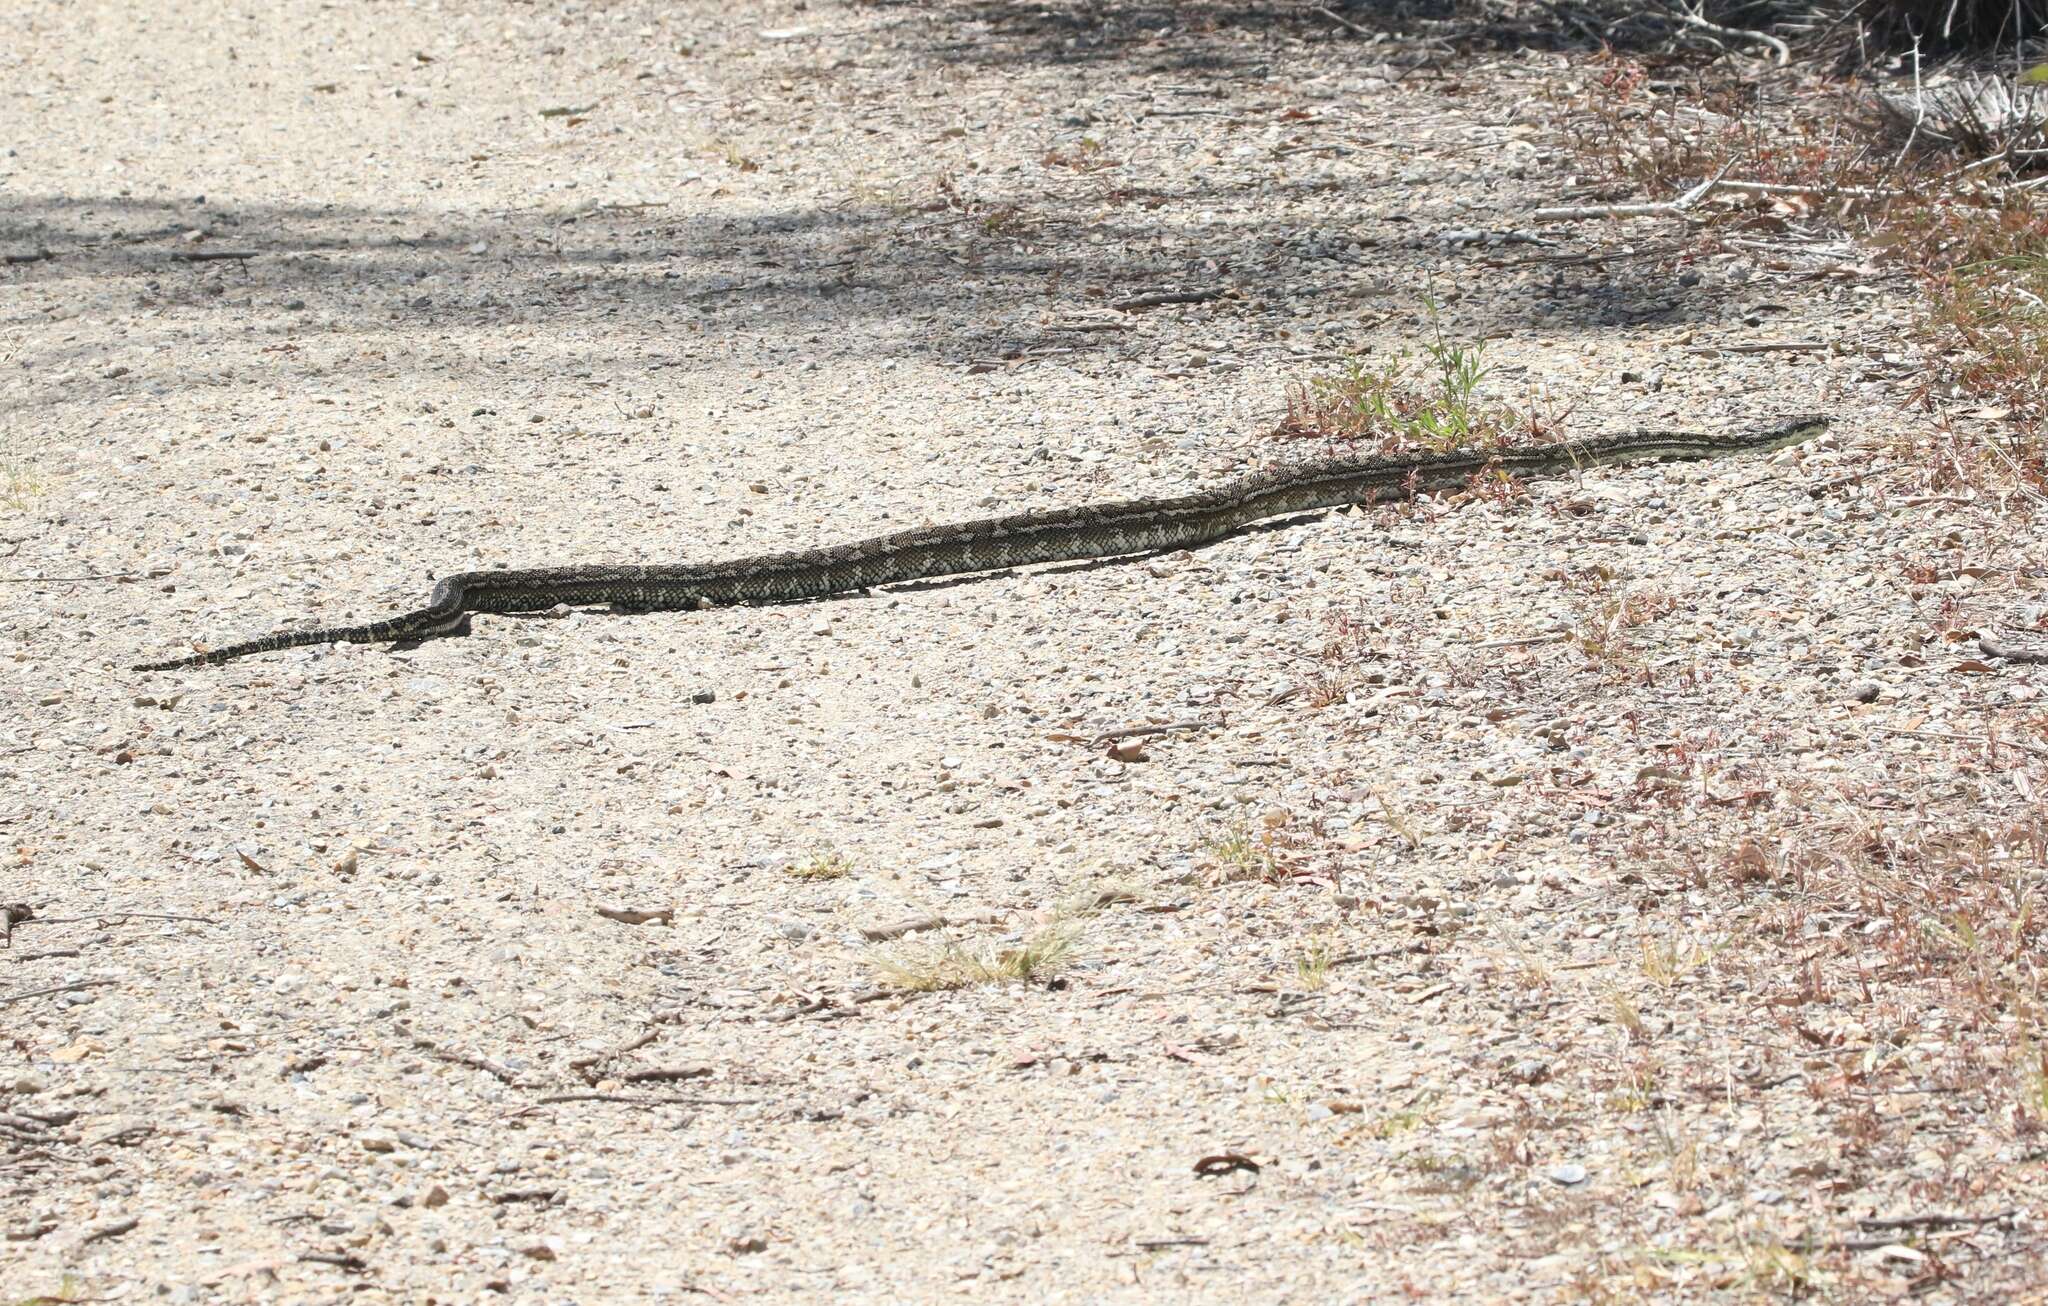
{"x": 1054, "y": 535}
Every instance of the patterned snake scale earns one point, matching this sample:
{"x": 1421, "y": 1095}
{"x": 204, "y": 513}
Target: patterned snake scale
{"x": 1055, "y": 535}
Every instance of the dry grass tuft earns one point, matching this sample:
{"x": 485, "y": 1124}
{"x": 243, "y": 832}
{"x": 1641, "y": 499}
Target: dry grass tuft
{"x": 821, "y": 866}
{"x": 21, "y": 484}
{"x": 953, "y": 966}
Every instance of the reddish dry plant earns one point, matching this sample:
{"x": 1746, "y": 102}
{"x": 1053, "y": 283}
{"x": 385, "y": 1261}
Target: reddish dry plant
{"x": 1977, "y": 241}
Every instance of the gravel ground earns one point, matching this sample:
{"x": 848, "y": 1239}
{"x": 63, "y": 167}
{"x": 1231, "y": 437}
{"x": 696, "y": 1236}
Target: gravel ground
{"x": 1499, "y": 920}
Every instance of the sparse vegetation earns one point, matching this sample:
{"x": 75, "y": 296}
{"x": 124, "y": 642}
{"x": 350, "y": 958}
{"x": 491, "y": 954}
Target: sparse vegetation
{"x": 1606, "y": 612}
{"x": 1432, "y": 403}
{"x": 1312, "y": 967}
{"x": 20, "y": 483}
{"x": 1953, "y": 209}
{"x": 954, "y": 966}
{"x": 1240, "y": 852}
{"x": 821, "y": 866}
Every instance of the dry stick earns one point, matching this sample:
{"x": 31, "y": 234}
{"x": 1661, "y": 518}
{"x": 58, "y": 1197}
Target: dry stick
{"x": 340, "y": 1260}
{"x": 1794, "y": 188}
{"x": 1986, "y": 740}
{"x": 668, "y": 1074}
{"x": 1159, "y": 297}
{"x": 1547, "y": 637}
{"x": 1137, "y": 732}
{"x": 1937, "y": 1220}
{"x": 51, "y": 580}
{"x": 1996, "y": 649}
{"x": 917, "y": 925}
{"x": 1762, "y": 347}
{"x": 1677, "y": 208}
{"x": 113, "y": 1230}
{"x": 599, "y": 1058}
{"x": 117, "y": 916}
{"x": 631, "y": 1099}
{"x": 1780, "y": 54}
{"x": 440, "y": 1053}
{"x": 1345, "y": 23}
{"x": 61, "y": 988}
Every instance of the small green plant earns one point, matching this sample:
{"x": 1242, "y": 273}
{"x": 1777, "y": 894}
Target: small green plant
{"x": 1396, "y": 1123}
{"x": 20, "y": 483}
{"x": 1434, "y": 405}
{"x": 821, "y": 866}
{"x": 1605, "y": 612}
{"x": 1312, "y": 967}
{"x": 1240, "y": 853}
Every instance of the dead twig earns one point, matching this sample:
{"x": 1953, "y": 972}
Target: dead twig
{"x": 1936, "y": 1220}
{"x": 637, "y": 1100}
{"x": 112, "y": 1229}
{"x": 61, "y": 988}
{"x": 116, "y": 917}
{"x": 634, "y": 916}
{"x": 667, "y": 1074}
{"x": 585, "y": 1064}
{"x": 1344, "y": 23}
{"x": 1678, "y": 208}
{"x": 1161, "y": 297}
{"x": 1547, "y": 637}
{"x": 1999, "y": 649}
{"x": 490, "y": 1068}
{"x": 919, "y": 924}
{"x": 1780, "y": 53}
{"x": 541, "y": 1195}
{"x": 1761, "y": 347}
{"x": 1964, "y": 739}
{"x": 54, "y": 580}
{"x": 340, "y": 1259}
{"x": 1139, "y": 732}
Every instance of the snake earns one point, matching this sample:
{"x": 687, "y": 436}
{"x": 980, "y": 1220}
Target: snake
{"x": 1089, "y": 531}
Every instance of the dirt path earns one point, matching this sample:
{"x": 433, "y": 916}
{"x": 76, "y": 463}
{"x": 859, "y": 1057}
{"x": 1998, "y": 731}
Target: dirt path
{"x": 1452, "y": 960}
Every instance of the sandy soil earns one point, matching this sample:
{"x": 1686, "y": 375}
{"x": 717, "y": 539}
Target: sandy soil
{"x": 1481, "y": 946}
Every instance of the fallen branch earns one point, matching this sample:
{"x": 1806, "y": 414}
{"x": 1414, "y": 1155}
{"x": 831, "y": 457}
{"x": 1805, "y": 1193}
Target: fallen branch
{"x": 1345, "y": 23}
